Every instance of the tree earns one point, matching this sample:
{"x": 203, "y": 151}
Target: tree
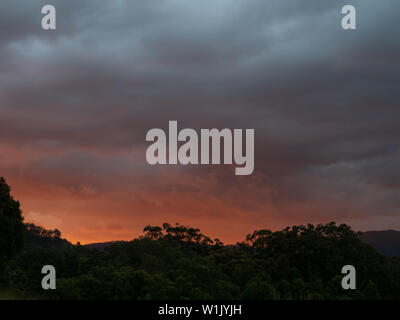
{"x": 259, "y": 290}
{"x": 11, "y": 224}
{"x": 371, "y": 291}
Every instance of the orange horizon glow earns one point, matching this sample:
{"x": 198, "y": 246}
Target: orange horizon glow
{"x": 86, "y": 218}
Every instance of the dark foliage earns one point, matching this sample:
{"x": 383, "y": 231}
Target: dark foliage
{"x": 11, "y": 227}
{"x": 179, "y": 262}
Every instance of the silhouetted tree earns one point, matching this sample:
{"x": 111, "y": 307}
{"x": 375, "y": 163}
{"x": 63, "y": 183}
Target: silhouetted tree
{"x": 11, "y": 225}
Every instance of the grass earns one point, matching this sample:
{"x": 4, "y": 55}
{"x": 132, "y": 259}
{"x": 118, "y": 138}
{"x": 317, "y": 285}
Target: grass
{"x": 10, "y": 294}
{"x": 7, "y": 295}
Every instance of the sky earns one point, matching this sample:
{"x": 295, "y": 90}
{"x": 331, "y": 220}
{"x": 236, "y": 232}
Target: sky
{"x": 76, "y": 104}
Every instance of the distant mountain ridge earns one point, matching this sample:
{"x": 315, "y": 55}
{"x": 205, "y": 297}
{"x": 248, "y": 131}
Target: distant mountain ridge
{"x": 102, "y": 245}
{"x": 386, "y": 242}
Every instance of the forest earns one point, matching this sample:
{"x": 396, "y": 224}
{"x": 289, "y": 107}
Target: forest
{"x": 175, "y": 261}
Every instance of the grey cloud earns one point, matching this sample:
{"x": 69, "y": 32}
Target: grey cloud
{"x": 317, "y": 96}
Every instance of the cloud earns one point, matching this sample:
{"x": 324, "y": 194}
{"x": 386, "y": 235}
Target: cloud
{"x": 75, "y": 106}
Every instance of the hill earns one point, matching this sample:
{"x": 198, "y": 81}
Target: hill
{"x": 387, "y": 242}
{"x": 102, "y": 245}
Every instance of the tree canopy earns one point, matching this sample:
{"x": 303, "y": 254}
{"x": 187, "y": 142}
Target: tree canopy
{"x": 179, "y": 262}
